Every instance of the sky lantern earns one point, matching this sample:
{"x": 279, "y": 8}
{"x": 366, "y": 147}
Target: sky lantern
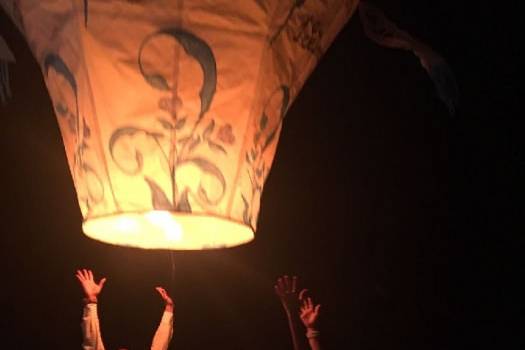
{"x": 170, "y": 111}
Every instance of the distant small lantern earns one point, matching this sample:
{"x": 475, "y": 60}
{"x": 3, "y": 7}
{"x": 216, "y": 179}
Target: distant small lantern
{"x": 170, "y": 111}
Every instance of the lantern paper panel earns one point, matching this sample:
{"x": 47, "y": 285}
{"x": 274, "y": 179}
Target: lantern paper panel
{"x": 170, "y": 111}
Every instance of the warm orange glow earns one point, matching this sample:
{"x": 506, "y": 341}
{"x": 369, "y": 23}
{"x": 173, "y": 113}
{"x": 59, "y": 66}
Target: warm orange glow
{"x": 170, "y": 112}
{"x": 168, "y": 230}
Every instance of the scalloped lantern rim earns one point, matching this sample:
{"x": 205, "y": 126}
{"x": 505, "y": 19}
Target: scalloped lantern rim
{"x": 164, "y": 229}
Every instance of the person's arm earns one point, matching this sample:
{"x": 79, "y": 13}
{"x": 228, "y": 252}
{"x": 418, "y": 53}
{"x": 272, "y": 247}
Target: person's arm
{"x": 90, "y": 323}
{"x": 286, "y": 290}
{"x": 162, "y": 337}
{"x": 309, "y": 315}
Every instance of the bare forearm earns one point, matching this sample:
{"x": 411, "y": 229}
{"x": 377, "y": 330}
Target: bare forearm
{"x": 168, "y": 308}
{"x": 313, "y": 339}
{"x": 314, "y": 344}
{"x": 164, "y": 332}
{"x": 293, "y": 331}
{"x": 91, "y": 329}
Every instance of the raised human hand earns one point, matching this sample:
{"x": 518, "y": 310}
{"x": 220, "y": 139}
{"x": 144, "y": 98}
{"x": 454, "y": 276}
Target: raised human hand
{"x": 90, "y": 287}
{"x": 286, "y": 290}
{"x": 166, "y": 297}
{"x": 309, "y": 313}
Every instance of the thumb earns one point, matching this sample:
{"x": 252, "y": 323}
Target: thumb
{"x": 101, "y": 283}
{"x": 316, "y": 310}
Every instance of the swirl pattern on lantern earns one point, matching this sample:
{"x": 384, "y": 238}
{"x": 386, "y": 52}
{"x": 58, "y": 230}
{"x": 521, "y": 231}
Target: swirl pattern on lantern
{"x": 173, "y": 110}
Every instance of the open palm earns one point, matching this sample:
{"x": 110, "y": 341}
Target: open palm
{"x": 309, "y": 313}
{"x": 286, "y": 290}
{"x": 90, "y": 287}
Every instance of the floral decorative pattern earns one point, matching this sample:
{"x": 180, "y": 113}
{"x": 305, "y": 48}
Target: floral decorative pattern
{"x": 295, "y": 5}
{"x": 225, "y": 134}
{"x": 308, "y": 34}
{"x": 180, "y": 137}
{"x": 269, "y": 125}
{"x": 304, "y": 27}
{"x": 77, "y": 126}
{"x": 163, "y": 118}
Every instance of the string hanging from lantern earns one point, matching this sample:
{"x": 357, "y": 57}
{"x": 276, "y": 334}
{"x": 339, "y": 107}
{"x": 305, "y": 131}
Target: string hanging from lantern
{"x": 172, "y": 272}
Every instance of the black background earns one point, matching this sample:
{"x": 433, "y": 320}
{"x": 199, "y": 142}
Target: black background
{"x": 397, "y": 216}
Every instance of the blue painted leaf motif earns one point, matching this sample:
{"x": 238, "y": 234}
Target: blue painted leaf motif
{"x": 159, "y": 200}
{"x": 208, "y": 130}
{"x": 194, "y": 143}
{"x": 129, "y": 131}
{"x": 92, "y": 195}
{"x": 263, "y": 122}
{"x": 86, "y": 11}
{"x": 183, "y": 205}
{"x": 211, "y": 169}
{"x": 196, "y": 48}
{"x": 245, "y": 214}
{"x": 296, "y": 4}
{"x": 54, "y": 61}
{"x": 180, "y": 123}
{"x": 61, "y": 109}
{"x": 72, "y": 125}
{"x": 157, "y": 81}
{"x": 259, "y": 172}
{"x": 285, "y": 91}
{"x": 269, "y": 139}
{"x": 87, "y": 130}
{"x": 165, "y": 124}
{"x": 216, "y": 147}
{"x": 184, "y": 139}
{"x": 254, "y": 154}
{"x": 251, "y": 180}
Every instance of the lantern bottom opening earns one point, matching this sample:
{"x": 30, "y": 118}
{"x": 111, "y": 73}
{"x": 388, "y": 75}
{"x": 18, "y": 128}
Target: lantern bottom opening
{"x": 159, "y": 229}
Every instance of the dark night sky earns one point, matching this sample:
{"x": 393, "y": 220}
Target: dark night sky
{"x": 383, "y": 204}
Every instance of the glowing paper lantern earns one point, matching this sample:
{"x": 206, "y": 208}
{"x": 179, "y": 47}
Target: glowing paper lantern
{"x": 170, "y": 111}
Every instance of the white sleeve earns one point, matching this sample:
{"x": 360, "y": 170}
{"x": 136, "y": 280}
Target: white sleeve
{"x": 91, "y": 329}
{"x": 164, "y": 332}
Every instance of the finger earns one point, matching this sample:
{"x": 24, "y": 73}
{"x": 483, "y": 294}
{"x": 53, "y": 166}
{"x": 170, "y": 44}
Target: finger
{"x": 294, "y": 283}
{"x": 91, "y": 275}
{"x": 304, "y": 304}
{"x": 101, "y": 283}
{"x": 85, "y": 273}
{"x": 302, "y": 293}
{"x": 79, "y": 276}
{"x": 280, "y": 283}
{"x": 287, "y": 283}
{"x": 162, "y": 292}
{"x": 309, "y": 302}
{"x": 316, "y": 310}
{"x": 277, "y": 290}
